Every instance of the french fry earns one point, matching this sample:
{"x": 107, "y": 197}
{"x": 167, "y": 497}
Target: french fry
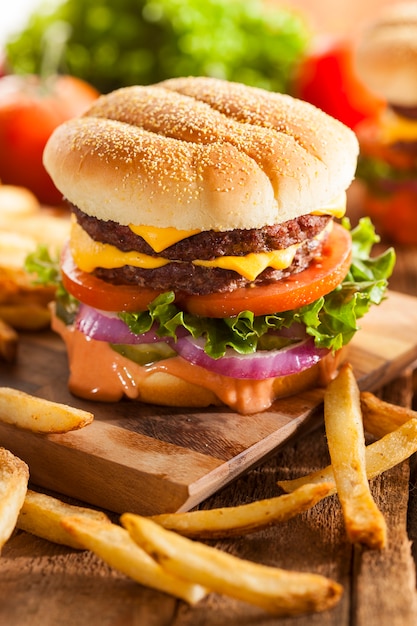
{"x": 38, "y": 415}
{"x": 25, "y": 316}
{"x": 381, "y": 456}
{"x": 14, "y": 476}
{"x": 275, "y": 590}
{"x": 380, "y": 417}
{"x": 41, "y": 515}
{"x": 392, "y": 449}
{"x": 9, "y": 341}
{"x": 246, "y": 518}
{"x": 364, "y": 522}
{"x": 114, "y": 545}
{"x": 324, "y": 475}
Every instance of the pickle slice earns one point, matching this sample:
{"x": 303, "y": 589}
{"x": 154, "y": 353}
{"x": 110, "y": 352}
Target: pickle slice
{"x": 146, "y": 353}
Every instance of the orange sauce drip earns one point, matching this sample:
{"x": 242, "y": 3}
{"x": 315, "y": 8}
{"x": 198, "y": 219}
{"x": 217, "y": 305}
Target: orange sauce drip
{"x": 116, "y": 376}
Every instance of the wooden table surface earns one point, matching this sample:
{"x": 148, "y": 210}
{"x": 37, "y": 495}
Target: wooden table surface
{"x": 43, "y": 584}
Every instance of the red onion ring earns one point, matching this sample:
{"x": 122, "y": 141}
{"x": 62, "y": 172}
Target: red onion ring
{"x": 108, "y": 327}
{"x": 105, "y": 326}
{"x": 257, "y": 366}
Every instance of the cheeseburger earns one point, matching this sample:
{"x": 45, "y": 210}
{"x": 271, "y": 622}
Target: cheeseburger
{"x": 386, "y": 61}
{"x": 204, "y": 257}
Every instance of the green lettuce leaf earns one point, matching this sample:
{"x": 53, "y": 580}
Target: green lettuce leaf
{"x": 45, "y": 270}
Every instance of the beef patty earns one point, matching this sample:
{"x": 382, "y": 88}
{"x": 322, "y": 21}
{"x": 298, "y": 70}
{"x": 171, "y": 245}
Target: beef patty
{"x": 182, "y": 275}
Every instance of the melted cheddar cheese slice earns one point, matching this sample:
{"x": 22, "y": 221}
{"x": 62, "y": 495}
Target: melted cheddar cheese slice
{"x": 161, "y": 238}
{"x": 89, "y": 254}
{"x": 251, "y": 265}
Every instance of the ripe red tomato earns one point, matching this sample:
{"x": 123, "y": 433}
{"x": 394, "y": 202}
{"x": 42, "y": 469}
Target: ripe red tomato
{"x": 327, "y": 78}
{"x": 30, "y": 109}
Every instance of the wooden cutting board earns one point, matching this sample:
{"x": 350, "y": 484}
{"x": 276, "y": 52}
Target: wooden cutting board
{"x": 149, "y": 459}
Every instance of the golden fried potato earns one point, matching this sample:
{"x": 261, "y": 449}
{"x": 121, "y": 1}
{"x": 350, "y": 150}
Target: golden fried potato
{"x": 114, "y": 545}
{"x": 246, "y": 518}
{"x": 14, "y": 476}
{"x": 39, "y": 415}
{"x": 41, "y": 515}
{"x": 275, "y": 590}
{"x": 380, "y": 417}
{"x": 364, "y": 522}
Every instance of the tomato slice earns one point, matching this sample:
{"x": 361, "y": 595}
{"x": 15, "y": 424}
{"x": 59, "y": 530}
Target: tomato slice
{"x": 297, "y": 290}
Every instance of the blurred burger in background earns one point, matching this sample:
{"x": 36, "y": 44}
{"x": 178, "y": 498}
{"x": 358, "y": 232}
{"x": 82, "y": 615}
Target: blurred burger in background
{"x": 386, "y": 61}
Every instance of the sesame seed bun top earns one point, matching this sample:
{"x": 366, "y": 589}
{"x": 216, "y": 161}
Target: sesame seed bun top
{"x": 201, "y": 153}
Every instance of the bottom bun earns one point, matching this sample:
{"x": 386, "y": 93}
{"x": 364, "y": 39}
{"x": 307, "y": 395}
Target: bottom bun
{"x": 167, "y": 390}
{"x": 97, "y": 372}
